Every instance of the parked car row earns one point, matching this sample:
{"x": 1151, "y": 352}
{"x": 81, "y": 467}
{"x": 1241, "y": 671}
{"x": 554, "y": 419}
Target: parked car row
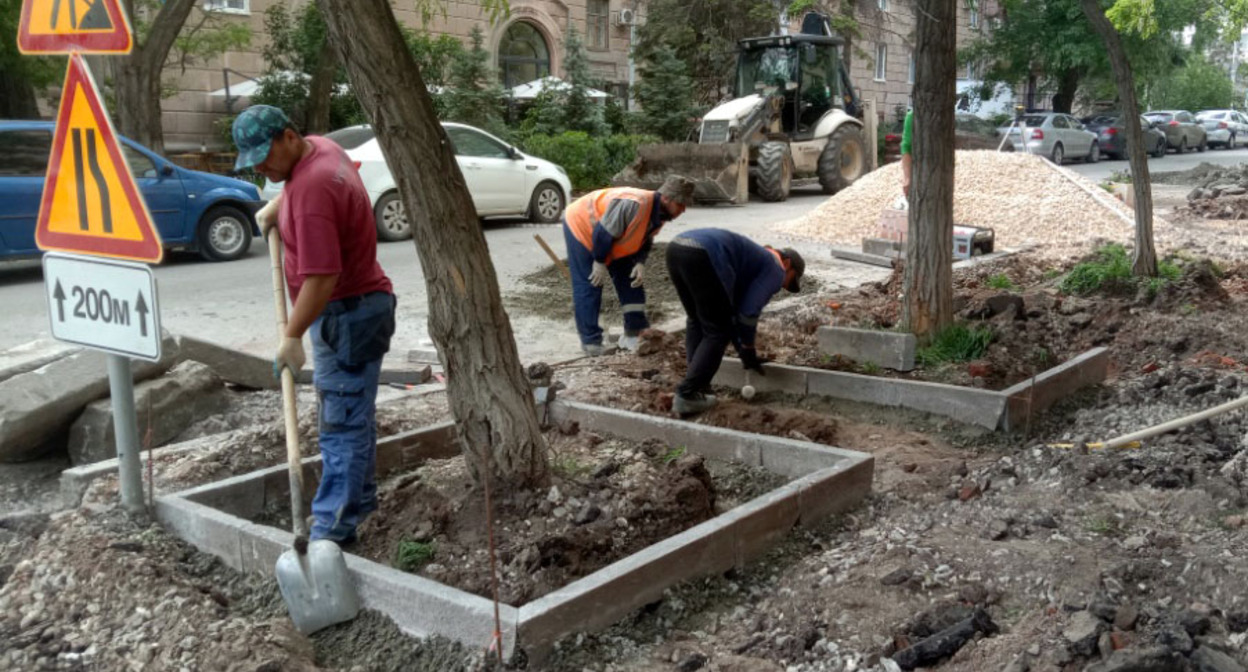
{"x": 212, "y": 214}
{"x": 1060, "y": 136}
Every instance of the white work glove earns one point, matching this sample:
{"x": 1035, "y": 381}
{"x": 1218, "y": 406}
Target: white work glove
{"x": 290, "y": 356}
{"x": 599, "y": 276}
{"x": 266, "y": 217}
{"x": 639, "y": 271}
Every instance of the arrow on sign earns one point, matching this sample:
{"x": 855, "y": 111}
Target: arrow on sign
{"x": 59, "y": 295}
{"x": 141, "y": 308}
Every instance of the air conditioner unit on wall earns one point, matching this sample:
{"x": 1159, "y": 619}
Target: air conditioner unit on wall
{"x": 626, "y": 17}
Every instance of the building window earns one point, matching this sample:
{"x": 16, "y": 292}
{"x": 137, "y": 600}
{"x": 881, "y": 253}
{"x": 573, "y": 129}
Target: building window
{"x": 974, "y": 17}
{"x": 234, "y": 6}
{"x": 912, "y": 65}
{"x": 597, "y": 21}
{"x": 881, "y": 61}
{"x": 523, "y": 55}
{"x": 972, "y": 70}
{"x": 882, "y": 4}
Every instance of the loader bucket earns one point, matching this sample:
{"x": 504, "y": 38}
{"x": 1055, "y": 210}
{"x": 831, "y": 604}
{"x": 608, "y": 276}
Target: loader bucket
{"x": 720, "y": 171}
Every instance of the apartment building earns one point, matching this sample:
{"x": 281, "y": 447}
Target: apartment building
{"x": 526, "y": 45}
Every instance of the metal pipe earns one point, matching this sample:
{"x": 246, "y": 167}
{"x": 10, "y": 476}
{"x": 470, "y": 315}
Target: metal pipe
{"x": 125, "y": 430}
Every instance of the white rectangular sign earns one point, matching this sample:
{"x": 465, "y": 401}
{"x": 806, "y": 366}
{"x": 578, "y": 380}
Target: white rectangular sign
{"x": 105, "y": 304}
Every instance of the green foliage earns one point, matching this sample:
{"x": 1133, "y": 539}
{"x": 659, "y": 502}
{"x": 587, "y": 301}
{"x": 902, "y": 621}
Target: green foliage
{"x": 1109, "y": 272}
{"x": 206, "y": 36}
{"x": 1197, "y": 85}
{"x": 590, "y": 162}
{"x": 870, "y": 368}
{"x": 704, "y": 34}
{"x": 957, "y": 343}
{"x": 412, "y": 555}
{"x": 473, "y": 95}
{"x": 296, "y": 42}
{"x": 568, "y": 467}
{"x": 433, "y": 54}
{"x": 1121, "y": 176}
{"x": 665, "y": 93}
{"x": 22, "y": 78}
{"x": 1002, "y": 281}
{"x": 673, "y": 455}
{"x": 580, "y": 112}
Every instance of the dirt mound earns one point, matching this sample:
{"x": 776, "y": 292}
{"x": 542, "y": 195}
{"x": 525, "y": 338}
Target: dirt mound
{"x": 789, "y": 423}
{"x": 1023, "y": 197}
{"x": 549, "y": 293}
{"x": 610, "y": 498}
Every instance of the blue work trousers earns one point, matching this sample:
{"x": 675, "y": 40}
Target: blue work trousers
{"x": 349, "y": 340}
{"x": 587, "y": 299}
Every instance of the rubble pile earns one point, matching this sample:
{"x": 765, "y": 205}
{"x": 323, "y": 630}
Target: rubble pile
{"x": 1025, "y": 200}
{"x": 1220, "y": 193}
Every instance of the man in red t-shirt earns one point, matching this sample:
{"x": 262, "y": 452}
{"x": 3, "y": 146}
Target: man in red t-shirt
{"x": 340, "y": 296}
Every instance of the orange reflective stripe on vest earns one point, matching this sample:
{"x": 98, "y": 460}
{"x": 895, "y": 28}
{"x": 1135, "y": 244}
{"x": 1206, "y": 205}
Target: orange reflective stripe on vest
{"x": 587, "y": 210}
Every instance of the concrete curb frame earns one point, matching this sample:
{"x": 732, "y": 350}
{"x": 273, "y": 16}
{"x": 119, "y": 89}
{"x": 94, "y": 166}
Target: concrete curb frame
{"x": 824, "y": 481}
{"x": 1007, "y": 409}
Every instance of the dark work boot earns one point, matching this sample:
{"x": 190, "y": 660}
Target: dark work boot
{"x": 693, "y": 404}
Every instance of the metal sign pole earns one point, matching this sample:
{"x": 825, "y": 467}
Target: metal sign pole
{"x": 126, "y": 430}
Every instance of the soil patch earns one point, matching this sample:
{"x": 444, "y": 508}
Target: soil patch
{"x": 609, "y": 498}
{"x": 549, "y": 293}
{"x": 1201, "y": 175}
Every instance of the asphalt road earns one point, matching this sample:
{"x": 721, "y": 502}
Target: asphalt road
{"x": 1170, "y": 163}
{"x": 231, "y": 303}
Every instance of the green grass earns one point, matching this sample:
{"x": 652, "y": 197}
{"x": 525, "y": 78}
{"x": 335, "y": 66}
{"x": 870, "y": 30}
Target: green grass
{"x": 412, "y": 555}
{"x": 958, "y": 343}
{"x": 1109, "y": 271}
{"x": 870, "y": 368}
{"x": 673, "y": 455}
{"x": 1121, "y": 176}
{"x": 1108, "y": 526}
{"x": 1002, "y": 281}
{"x": 568, "y": 467}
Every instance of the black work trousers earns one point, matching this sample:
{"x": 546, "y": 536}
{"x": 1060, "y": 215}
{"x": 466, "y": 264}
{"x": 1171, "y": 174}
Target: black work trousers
{"x": 709, "y": 315}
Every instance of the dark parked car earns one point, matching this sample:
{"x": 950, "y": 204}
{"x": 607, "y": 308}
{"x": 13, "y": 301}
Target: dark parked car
{"x": 1111, "y": 132}
{"x": 206, "y": 213}
{"x": 1182, "y": 130}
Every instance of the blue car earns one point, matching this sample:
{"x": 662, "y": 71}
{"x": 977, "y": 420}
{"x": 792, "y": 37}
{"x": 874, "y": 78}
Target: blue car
{"x": 192, "y": 210}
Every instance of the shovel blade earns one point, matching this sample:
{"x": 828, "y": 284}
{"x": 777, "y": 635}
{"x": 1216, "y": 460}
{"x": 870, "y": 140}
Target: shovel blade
{"x": 317, "y": 587}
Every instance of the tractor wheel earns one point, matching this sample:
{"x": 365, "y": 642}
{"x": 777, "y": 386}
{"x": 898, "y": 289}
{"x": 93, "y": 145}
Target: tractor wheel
{"x": 775, "y": 171}
{"x": 843, "y": 160}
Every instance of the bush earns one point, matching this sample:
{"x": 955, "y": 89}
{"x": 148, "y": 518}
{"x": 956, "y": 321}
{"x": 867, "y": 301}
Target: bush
{"x": 590, "y": 162}
{"x": 1002, "y": 281}
{"x": 958, "y": 343}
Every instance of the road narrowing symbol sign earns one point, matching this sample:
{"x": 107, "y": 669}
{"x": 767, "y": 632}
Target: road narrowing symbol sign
{"x": 91, "y": 204}
{"x": 104, "y": 304}
{"x": 66, "y": 26}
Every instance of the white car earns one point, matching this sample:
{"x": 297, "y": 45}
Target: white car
{"x": 1226, "y": 128}
{"x": 502, "y": 179}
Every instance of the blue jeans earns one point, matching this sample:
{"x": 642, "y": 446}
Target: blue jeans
{"x": 348, "y": 342}
{"x": 587, "y": 299}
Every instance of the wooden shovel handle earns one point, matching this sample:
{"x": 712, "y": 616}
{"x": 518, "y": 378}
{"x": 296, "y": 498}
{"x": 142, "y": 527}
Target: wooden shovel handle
{"x": 294, "y": 456}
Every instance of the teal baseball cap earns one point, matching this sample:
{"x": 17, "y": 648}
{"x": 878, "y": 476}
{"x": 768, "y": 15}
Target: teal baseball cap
{"x": 254, "y": 131}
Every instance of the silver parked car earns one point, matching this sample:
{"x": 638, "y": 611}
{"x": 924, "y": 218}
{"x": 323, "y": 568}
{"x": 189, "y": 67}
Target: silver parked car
{"x": 1225, "y": 128}
{"x": 1182, "y": 130}
{"x": 1055, "y": 135}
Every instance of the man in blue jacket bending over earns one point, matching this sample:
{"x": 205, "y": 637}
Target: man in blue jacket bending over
{"x": 724, "y": 280}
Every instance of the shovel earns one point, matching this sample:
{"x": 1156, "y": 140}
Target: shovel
{"x": 312, "y": 576}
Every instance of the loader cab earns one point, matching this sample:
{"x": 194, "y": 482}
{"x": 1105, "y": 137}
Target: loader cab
{"x": 802, "y": 72}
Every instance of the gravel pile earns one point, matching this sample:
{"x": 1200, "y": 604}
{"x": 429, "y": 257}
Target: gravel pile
{"x": 1025, "y": 200}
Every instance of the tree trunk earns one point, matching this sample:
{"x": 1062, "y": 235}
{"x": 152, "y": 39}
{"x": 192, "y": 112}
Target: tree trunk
{"x": 138, "y": 83}
{"x": 1145, "y": 261}
{"x": 17, "y": 97}
{"x": 490, "y": 397}
{"x": 1067, "y": 87}
{"x": 320, "y": 91}
{"x": 928, "y": 283}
